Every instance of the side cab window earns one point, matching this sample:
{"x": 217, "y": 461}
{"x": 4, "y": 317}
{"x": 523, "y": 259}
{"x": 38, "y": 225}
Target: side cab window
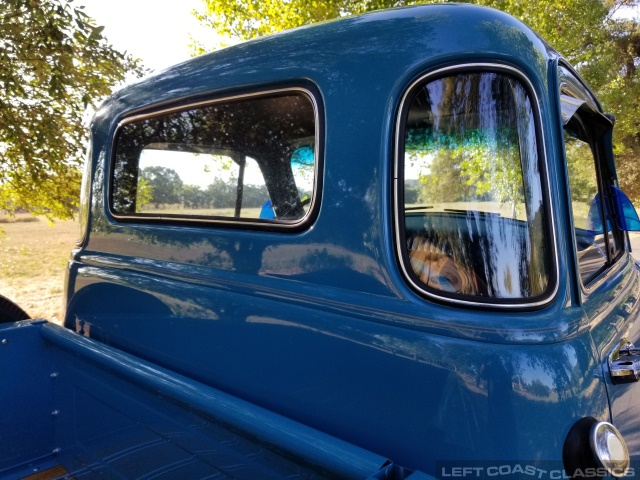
{"x": 599, "y": 241}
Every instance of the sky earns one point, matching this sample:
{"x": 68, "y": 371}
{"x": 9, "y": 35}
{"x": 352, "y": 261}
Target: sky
{"x": 156, "y": 31}
{"x": 632, "y": 11}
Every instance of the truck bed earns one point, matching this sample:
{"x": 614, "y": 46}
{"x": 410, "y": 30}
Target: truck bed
{"x": 76, "y": 408}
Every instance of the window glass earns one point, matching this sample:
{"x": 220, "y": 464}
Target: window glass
{"x": 591, "y": 211}
{"x": 474, "y": 222}
{"x": 587, "y": 214}
{"x": 247, "y": 159}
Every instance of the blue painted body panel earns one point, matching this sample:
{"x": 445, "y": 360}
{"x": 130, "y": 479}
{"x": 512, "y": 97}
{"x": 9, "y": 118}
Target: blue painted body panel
{"x": 101, "y": 412}
{"x": 319, "y": 326}
{"x": 26, "y": 396}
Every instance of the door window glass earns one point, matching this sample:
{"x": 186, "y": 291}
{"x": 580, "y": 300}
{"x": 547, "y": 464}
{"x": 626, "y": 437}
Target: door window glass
{"x": 587, "y": 213}
{"x": 596, "y": 239}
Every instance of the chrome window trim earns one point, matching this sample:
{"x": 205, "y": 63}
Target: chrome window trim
{"x": 566, "y": 74}
{"x": 84, "y": 207}
{"x": 493, "y": 303}
{"x": 281, "y": 225}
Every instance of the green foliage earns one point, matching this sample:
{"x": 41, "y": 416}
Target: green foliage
{"x": 223, "y": 193}
{"x": 471, "y": 169}
{"x": 443, "y": 182}
{"x": 606, "y": 50}
{"x": 466, "y": 157}
{"x": 495, "y": 172}
{"x": 194, "y": 197}
{"x": 54, "y": 63}
{"x": 250, "y": 18}
{"x": 144, "y": 192}
{"x": 164, "y": 186}
{"x": 582, "y": 177}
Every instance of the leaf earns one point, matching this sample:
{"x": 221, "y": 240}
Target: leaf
{"x": 50, "y": 71}
{"x": 605, "y": 49}
{"x": 96, "y": 33}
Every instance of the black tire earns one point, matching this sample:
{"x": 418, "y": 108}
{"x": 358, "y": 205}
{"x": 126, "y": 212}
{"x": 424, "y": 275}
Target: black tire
{"x": 10, "y": 312}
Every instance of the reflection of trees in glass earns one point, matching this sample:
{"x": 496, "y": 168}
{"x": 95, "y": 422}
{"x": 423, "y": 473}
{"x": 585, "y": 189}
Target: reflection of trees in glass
{"x": 587, "y": 212}
{"x": 303, "y": 163}
{"x": 471, "y": 141}
{"x": 411, "y": 191}
{"x": 144, "y": 192}
{"x": 222, "y": 194}
{"x": 466, "y": 140}
{"x": 496, "y": 174}
{"x": 440, "y": 178}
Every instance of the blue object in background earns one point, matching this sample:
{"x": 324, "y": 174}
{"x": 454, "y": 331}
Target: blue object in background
{"x": 267, "y": 210}
{"x": 626, "y": 213}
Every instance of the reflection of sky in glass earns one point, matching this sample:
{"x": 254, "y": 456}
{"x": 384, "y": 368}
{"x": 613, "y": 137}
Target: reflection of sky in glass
{"x": 417, "y": 165}
{"x": 302, "y": 165}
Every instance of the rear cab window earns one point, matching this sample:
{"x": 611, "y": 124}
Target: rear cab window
{"x": 250, "y": 160}
{"x": 472, "y": 217}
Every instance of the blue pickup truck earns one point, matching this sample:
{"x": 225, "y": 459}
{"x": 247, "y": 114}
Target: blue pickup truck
{"x": 389, "y": 247}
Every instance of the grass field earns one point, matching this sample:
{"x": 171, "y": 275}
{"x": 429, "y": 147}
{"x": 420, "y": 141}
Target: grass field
{"x": 203, "y": 212}
{"x": 33, "y": 259}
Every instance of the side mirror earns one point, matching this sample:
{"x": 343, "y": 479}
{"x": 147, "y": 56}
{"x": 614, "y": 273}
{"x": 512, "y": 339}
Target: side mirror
{"x": 626, "y": 215}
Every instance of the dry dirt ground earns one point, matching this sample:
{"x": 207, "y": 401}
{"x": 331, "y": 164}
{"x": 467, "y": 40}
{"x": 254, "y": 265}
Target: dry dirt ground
{"x": 33, "y": 259}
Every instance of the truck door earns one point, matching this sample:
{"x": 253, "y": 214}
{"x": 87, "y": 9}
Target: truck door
{"x": 607, "y": 278}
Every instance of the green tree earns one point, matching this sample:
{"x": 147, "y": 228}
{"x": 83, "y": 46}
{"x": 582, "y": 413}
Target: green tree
{"x": 605, "y": 48}
{"x": 165, "y": 185}
{"x": 254, "y": 196}
{"x": 144, "y": 192}
{"x": 223, "y": 193}
{"x": 194, "y": 197}
{"x": 54, "y": 63}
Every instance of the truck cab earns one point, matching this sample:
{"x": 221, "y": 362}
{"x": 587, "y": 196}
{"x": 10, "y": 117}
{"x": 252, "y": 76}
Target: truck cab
{"x": 402, "y": 230}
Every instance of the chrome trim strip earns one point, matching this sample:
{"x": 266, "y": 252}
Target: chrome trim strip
{"x": 547, "y": 195}
{"x": 150, "y": 219}
{"x": 84, "y": 207}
